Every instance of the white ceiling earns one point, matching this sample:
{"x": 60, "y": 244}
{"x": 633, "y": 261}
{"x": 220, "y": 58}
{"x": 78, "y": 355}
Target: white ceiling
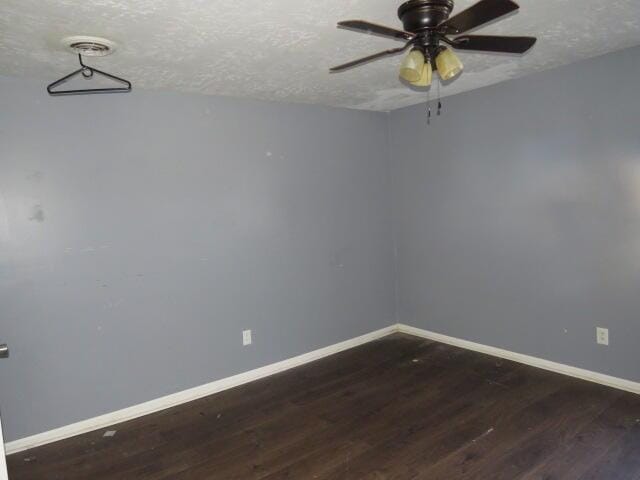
{"x": 282, "y": 49}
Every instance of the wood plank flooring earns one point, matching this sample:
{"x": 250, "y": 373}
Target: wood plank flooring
{"x": 397, "y": 408}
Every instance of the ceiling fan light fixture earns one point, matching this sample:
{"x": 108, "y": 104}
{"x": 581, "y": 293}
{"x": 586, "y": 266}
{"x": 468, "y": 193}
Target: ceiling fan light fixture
{"x": 427, "y": 26}
{"x": 412, "y": 66}
{"x": 425, "y": 77}
{"x": 448, "y": 64}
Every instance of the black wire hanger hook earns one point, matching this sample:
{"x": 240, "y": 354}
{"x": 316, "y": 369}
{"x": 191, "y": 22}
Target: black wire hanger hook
{"x": 88, "y": 72}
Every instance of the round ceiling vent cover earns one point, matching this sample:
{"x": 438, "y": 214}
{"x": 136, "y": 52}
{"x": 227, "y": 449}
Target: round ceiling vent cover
{"x": 89, "y": 46}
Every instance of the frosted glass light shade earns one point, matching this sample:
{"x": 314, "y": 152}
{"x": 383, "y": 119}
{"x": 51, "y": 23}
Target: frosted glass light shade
{"x": 449, "y": 65}
{"x": 425, "y": 76}
{"x": 411, "y": 67}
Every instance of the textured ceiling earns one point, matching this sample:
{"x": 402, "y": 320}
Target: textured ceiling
{"x": 282, "y": 49}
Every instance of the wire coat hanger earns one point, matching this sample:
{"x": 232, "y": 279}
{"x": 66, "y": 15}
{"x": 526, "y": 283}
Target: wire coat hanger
{"x": 87, "y": 72}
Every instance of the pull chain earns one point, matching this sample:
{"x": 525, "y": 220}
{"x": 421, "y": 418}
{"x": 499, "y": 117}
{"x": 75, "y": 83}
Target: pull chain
{"x": 439, "y": 101}
{"x": 429, "y": 107}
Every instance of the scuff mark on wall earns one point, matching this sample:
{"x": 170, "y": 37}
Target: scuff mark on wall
{"x": 37, "y": 213}
{"x": 35, "y": 177}
{"x": 114, "y": 304}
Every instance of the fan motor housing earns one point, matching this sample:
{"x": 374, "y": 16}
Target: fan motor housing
{"x": 422, "y": 15}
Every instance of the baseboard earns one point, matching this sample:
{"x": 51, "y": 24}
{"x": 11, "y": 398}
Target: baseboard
{"x": 602, "y": 379}
{"x": 195, "y": 393}
{"x": 189, "y": 395}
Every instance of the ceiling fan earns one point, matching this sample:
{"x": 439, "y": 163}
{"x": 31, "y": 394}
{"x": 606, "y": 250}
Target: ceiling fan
{"x": 426, "y": 26}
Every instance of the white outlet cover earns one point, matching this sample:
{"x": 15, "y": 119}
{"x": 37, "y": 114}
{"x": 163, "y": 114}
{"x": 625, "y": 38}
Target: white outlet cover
{"x": 246, "y": 337}
{"x": 602, "y": 336}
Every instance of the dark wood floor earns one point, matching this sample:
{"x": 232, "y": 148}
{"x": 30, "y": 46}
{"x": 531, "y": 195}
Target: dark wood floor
{"x": 397, "y": 408}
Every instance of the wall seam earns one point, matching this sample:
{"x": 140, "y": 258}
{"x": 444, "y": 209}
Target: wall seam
{"x": 392, "y": 207}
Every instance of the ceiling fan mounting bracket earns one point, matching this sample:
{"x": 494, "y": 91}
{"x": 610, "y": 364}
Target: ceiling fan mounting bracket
{"x": 419, "y": 16}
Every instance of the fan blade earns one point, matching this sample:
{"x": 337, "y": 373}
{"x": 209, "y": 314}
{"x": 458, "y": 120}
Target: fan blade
{"x": 488, "y": 43}
{"x": 478, "y": 14}
{"x": 368, "y": 27}
{"x": 375, "y": 56}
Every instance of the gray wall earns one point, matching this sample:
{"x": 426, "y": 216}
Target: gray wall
{"x": 141, "y": 233}
{"x": 518, "y": 214}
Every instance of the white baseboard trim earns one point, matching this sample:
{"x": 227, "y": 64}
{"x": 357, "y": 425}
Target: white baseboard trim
{"x": 189, "y": 395}
{"x": 602, "y": 379}
{"x": 195, "y": 393}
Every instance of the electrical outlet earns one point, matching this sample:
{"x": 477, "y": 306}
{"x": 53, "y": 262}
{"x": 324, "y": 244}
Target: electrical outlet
{"x": 602, "y": 336}
{"x": 246, "y": 337}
